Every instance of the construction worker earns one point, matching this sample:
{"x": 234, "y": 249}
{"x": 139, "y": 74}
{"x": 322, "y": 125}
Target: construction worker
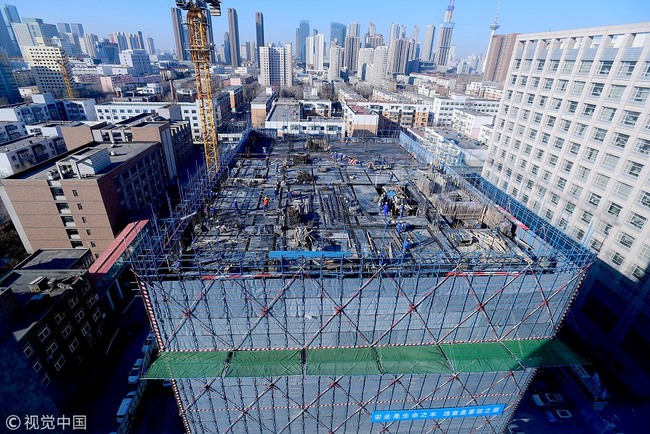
{"x": 386, "y": 209}
{"x": 266, "y": 203}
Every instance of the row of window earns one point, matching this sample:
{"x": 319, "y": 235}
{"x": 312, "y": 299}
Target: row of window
{"x": 625, "y": 68}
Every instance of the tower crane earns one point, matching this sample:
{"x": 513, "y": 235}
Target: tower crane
{"x": 198, "y": 22}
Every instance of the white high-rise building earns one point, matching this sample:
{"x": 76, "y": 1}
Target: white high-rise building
{"x": 48, "y": 65}
{"x": 364, "y": 62}
{"x": 572, "y": 139}
{"x": 379, "y": 66}
{"x": 137, "y": 60}
{"x": 427, "y": 48}
{"x": 276, "y": 67}
{"x": 316, "y": 52}
{"x": 336, "y": 62}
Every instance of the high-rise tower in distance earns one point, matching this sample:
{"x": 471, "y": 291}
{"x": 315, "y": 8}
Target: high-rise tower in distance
{"x": 259, "y": 32}
{"x": 427, "y": 50}
{"x": 233, "y": 29}
{"x": 444, "y": 37}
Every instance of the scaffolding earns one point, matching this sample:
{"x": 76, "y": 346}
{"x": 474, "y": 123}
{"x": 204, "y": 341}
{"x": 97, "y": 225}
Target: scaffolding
{"x": 312, "y": 287}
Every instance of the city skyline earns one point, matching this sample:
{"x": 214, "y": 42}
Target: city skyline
{"x": 471, "y": 33}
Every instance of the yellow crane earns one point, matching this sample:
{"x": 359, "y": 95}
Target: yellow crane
{"x": 66, "y": 78}
{"x": 198, "y": 22}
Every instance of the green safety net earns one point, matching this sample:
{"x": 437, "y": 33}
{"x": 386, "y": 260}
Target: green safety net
{"x": 342, "y": 361}
{"x": 419, "y": 359}
{"x": 413, "y": 360}
{"x": 479, "y": 357}
{"x": 267, "y": 363}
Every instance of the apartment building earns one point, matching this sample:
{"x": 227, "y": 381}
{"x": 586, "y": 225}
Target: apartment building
{"x": 84, "y": 198}
{"x": 25, "y": 152}
{"x": 571, "y": 142}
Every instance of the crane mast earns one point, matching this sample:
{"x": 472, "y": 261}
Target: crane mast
{"x": 198, "y": 23}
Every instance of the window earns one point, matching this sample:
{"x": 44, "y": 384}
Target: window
{"x": 553, "y": 65}
{"x": 530, "y": 98}
{"x": 640, "y": 94}
{"x": 616, "y": 92}
{"x": 555, "y": 199}
{"x": 59, "y": 363}
{"x": 540, "y": 64}
{"x": 583, "y": 172}
{"x": 44, "y": 333}
{"x": 614, "y": 209}
{"x": 562, "y": 85}
{"x": 575, "y": 190}
{"x": 525, "y": 114}
{"x": 599, "y": 134}
{"x": 620, "y": 140}
{"x": 573, "y": 106}
{"x": 578, "y": 87}
{"x": 633, "y": 168}
{"x": 642, "y": 146}
{"x": 637, "y": 220}
{"x": 85, "y": 329}
{"x": 73, "y": 345}
{"x": 84, "y": 220}
{"x": 556, "y": 103}
{"x": 630, "y": 118}
{"x": 75, "y": 193}
{"x": 542, "y": 101}
{"x": 605, "y": 67}
{"x": 79, "y": 315}
{"x": 552, "y": 160}
{"x": 567, "y": 166}
{"x": 591, "y": 154}
{"x": 607, "y": 114}
{"x": 567, "y": 66}
{"x": 585, "y": 66}
{"x": 603, "y": 227}
{"x": 528, "y": 149}
{"x": 594, "y": 199}
{"x": 541, "y": 191}
{"x": 52, "y": 349}
{"x": 610, "y": 161}
{"x": 586, "y": 216}
{"x": 646, "y": 71}
{"x": 596, "y": 245}
{"x": 523, "y": 80}
{"x": 550, "y": 121}
{"x": 558, "y": 143}
{"x": 65, "y": 332}
{"x": 601, "y": 180}
{"x": 622, "y": 189}
{"x": 37, "y": 366}
{"x": 73, "y": 302}
{"x": 596, "y": 89}
{"x": 626, "y": 240}
{"x": 580, "y": 130}
{"x": 645, "y": 252}
{"x": 79, "y": 206}
{"x": 565, "y": 125}
{"x": 578, "y": 234}
{"x": 548, "y": 83}
{"x": 28, "y": 351}
{"x": 534, "y": 169}
{"x": 574, "y": 148}
{"x": 627, "y": 66}
{"x": 644, "y": 199}
{"x": 563, "y": 223}
{"x": 588, "y": 110}
{"x": 545, "y": 137}
{"x": 617, "y": 258}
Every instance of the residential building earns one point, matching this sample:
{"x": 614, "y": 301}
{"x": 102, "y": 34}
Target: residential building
{"x": 25, "y": 152}
{"x": 50, "y": 68}
{"x": 469, "y": 121}
{"x": 379, "y": 66}
{"x": 10, "y": 130}
{"x": 351, "y": 53}
{"x": 294, "y": 118}
{"x": 364, "y": 62}
{"x": 236, "y": 94}
{"x": 260, "y": 108}
{"x": 86, "y": 196}
{"x": 336, "y": 62}
{"x": 315, "y": 52}
{"x": 137, "y": 61}
{"x": 150, "y": 47}
{"x": 276, "y": 66}
{"x": 427, "y": 49}
{"x": 498, "y": 57}
{"x": 571, "y": 143}
{"x": 360, "y": 121}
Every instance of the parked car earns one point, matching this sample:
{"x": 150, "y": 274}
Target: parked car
{"x": 136, "y": 371}
{"x": 558, "y": 415}
{"x": 123, "y": 409}
{"x": 544, "y": 400}
{"x": 148, "y": 343}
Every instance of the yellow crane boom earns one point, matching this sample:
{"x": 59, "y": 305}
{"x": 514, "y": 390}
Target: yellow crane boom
{"x": 198, "y": 23}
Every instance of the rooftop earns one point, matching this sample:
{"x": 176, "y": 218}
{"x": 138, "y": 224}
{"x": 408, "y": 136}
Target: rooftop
{"x": 458, "y": 139}
{"x": 371, "y": 203}
{"x": 118, "y": 154}
{"x": 21, "y": 142}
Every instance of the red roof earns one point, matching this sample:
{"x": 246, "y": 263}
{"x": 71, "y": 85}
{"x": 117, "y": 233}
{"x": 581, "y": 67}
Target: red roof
{"x": 113, "y": 252}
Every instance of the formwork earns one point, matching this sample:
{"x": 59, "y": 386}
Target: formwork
{"x": 319, "y": 288}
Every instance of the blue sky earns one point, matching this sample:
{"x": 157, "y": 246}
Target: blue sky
{"x": 472, "y": 17}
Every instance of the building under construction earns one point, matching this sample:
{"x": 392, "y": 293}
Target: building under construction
{"x": 319, "y": 288}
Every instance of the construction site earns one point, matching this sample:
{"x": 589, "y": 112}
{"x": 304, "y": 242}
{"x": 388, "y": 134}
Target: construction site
{"x": 316, "y": 287}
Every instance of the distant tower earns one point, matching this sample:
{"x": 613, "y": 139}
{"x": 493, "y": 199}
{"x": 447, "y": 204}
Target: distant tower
{"x": 494, "y": 26}
{"x": 427, "y": 53}
{"x": 444, "y": 37}
{"x": 259, "y": 32}
{"x": 233, "y": 30}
